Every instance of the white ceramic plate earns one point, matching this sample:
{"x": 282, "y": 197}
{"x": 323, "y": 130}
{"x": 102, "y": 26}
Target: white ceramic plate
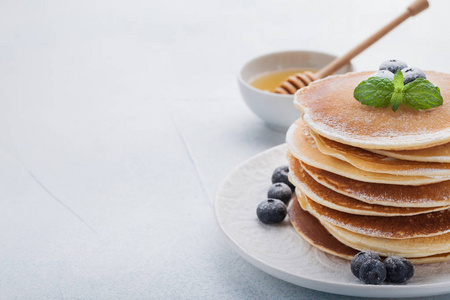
{"x": 281, "y": 252}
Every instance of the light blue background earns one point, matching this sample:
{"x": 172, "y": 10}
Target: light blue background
{"x": 119, "y": 119}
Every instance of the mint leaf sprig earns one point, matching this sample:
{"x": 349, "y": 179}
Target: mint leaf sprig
{"x": 382, "y": 92}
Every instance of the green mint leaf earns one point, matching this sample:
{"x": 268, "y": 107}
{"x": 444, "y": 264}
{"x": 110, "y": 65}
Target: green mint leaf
{"x": 422, "y": 94}
{"x": 375, "y": 91}
{"x": 396, "y": 100}
{"x": 382, "y": 92}
{"x": 397, "y": 96}
{"x": 398, "y": 81}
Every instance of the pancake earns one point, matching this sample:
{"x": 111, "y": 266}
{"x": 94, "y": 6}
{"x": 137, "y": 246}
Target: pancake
{"x": 439, "y": 153}
{"x": 401, "y": 227}
{"x": 329, "y": 198}
{"x": 312, "y": 231}
{"x": 430, "y": 195}
{"x": 330, "y": 109}
{"x": 414, "y": 247}
{"x": 372, "y": 162}
{"x": 303, "y": 147}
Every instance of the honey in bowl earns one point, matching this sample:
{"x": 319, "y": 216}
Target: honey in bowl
{"x": 269, "y": 81}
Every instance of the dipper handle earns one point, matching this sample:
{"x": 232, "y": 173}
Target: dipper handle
{"x": 415, "y": 8}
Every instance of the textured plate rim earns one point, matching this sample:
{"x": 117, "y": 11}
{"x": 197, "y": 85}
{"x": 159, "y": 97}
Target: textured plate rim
{"x": 342, "y": 288}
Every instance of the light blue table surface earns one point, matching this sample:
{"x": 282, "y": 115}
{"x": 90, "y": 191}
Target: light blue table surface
{"x": 119, "y": 120}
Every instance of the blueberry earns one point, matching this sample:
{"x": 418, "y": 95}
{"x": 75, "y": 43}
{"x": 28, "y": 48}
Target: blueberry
{"x": 271, "y": 211}
{"x": 411, "y": 74}
{"x": 384, "y": 74}
{"x": 372, "y": 271}
{"x": 398, "y": 269}
{"x": 280, "y": 174}
{"x": 360, "y": 258}
{"x": 393, "y": 65}
{"x": 280, "y": 191}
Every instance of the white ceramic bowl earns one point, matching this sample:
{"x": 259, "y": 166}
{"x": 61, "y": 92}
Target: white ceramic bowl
{"x": 277, "y": 110}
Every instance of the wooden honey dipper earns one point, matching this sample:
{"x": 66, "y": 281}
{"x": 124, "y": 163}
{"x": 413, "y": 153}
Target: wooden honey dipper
{"x": 299, "y": 80}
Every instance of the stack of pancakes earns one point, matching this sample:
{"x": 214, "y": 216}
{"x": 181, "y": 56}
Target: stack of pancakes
{"x": 369, "y": 178}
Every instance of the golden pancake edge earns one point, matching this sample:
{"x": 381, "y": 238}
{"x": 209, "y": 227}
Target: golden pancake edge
{"x": 313, "y": 232}
{"x": 337, "y": 201}
{"x": 302, "y": 145}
